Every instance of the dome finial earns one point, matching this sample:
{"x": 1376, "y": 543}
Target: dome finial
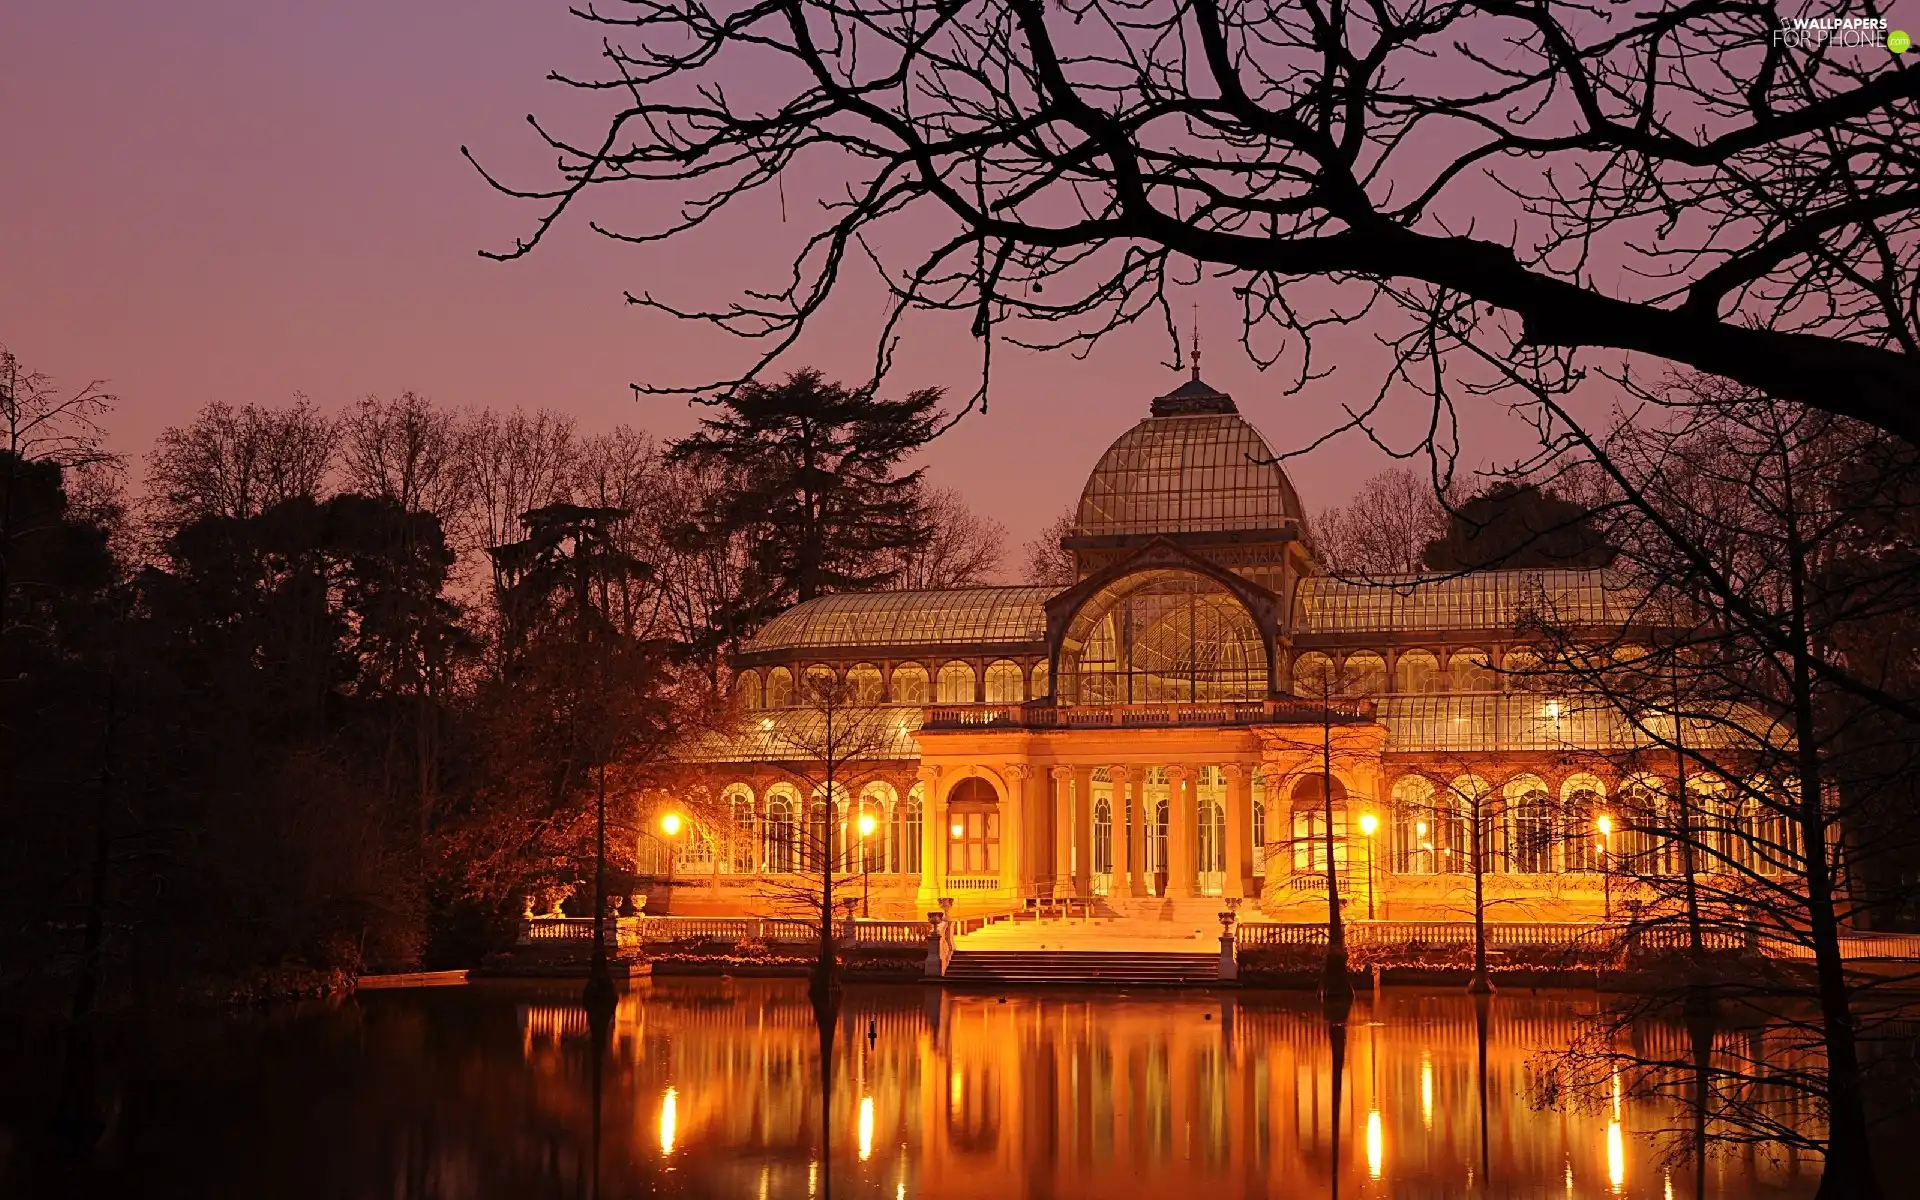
{"x": 1196, "y": 340}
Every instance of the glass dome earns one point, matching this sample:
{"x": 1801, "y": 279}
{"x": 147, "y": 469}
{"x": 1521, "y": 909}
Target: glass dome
{"x": 1194, "y": 472}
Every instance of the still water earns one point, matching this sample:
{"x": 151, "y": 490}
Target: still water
{"x": 712, "y": 1088}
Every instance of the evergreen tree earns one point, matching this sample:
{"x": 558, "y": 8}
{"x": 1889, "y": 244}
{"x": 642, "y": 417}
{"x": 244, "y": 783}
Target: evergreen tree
{"x": 1518, "y": 525}
{"x": 817, "y": 489}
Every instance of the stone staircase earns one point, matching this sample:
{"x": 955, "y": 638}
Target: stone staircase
{"x": 1164, "y": 968}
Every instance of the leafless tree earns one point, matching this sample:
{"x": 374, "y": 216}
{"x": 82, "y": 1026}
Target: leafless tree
{"x": 238, "y": 462}
{"x": 513, "y": 464}
{"x": 406, "y": 450}
{"x": 1048, "y": 563}
{"x": 39, "y": 422}
{"x": 1385, "y": 529}
{"x": 1680, "y": 182}
{"x": 964, "y": 549}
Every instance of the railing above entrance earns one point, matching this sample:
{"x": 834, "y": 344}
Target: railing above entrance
{"x": 1147, "y": 716}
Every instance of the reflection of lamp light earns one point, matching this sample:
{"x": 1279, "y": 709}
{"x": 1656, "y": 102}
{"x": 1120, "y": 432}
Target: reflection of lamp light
{"x": 1369, "y": 823}
{"x": 866, "y": 1128}
{"x": 1553, "y": 710}
{"x": 957, "y": 829}
{"x": 1604, "y": 824}
{"x": 1616, "y": 1157}
{"x": 1374, "y": 1143}
{"x": 670, "y": 823}
{"x": 1426, "y": 1089}
{"x": 669, "y": 1120}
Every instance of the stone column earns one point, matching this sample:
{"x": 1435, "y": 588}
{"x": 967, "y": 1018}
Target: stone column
{"x": 933, "y": 837}
{"x": 1062, "y": 779}
{"x": 1132, "y": 817}
{"x": 1083, "y": 832}
{"x": 1013, "y": 819}
{"x": 1182, "y": 796}
{"x": 1239, "y": 829}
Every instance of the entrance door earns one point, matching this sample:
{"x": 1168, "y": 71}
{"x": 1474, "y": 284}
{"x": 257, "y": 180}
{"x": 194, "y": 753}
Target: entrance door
{"x": 1212, "y": 830}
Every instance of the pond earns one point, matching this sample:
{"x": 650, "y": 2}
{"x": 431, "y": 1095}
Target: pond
{"x": 711, "y": 1087}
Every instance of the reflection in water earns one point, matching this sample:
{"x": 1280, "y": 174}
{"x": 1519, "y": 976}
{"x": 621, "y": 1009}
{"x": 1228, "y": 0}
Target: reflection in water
{"x": 486, "y": 1091}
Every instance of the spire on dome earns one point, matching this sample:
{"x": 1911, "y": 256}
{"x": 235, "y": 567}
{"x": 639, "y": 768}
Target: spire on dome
{"x": 1195, "y": 397}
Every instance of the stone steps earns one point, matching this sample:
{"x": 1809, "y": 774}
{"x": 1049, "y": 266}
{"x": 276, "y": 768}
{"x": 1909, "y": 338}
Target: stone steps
{"x": 1083, "y": 966}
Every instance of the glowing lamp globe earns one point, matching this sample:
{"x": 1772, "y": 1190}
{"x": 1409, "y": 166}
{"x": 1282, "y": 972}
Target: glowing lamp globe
{"x": 1369, "y": 823}
{"x": 670, "y": 823}
{"x": 1604, "y": 824}
{"x": 867, "y": 824}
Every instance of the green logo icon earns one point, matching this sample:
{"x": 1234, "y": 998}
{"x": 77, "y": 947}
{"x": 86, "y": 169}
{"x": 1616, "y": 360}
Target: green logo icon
{"x": 1898, "y": 41}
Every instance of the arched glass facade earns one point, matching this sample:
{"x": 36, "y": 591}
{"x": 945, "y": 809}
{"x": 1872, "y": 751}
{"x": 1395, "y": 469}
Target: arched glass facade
{"x": 1163, "y": 637}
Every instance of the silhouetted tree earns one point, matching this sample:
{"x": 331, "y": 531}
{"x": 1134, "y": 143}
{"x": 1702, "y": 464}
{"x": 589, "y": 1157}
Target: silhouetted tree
{"x": 1516, "y": 525}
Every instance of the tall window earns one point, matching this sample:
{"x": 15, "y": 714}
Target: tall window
{"x": 973, "y": 828}
{"x": 820, "y": 848}
{"x": 1530, "y": 826}
{"x": 746, "y": 689}
{"x": 1580, "y": 839}
{"x": 1310, "y": 825}
{"x": 1416, "y": 671}
{"x": 1639, "y": 845}
{"x": 1213, "y": 836}
{"x": 779, "y": 688}
{"x": 1416, "y": 836}
{"x": 1259, "y": 837}
{"x": 781, "y": 853}
{"x": 906, "y": 849}
{"x": 745, "y": 837}
{"x": 1103, "y": 836}
{"x": 870, "y": 852}
{"x": 864, "y": 684}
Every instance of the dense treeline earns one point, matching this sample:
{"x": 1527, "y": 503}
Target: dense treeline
{"x": 321, "y": 692}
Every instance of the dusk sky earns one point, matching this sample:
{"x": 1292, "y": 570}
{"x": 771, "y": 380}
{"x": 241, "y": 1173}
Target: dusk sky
{"x": 229, "y": 200}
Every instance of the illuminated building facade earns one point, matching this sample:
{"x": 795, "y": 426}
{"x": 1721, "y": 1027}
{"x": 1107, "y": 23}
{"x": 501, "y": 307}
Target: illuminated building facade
{"x": 1164, "y": 728}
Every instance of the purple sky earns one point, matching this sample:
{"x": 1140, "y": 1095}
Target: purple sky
{"x": 236, "y": 200}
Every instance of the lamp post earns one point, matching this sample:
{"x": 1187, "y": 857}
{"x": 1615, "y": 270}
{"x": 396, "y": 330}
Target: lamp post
{"x": 867, "y": 826}
{"x": 670, "y": 825}
{"x": 1604, "y": 824}
{"x": 1368, "y": 824}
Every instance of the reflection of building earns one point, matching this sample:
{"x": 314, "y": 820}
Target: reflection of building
{"x": 1158, "y": 727}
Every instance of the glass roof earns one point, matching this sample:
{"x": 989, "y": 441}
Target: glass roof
{"x": 961, "y": 616}
{"x": 1479, "y": 600}
{"x": 1460, "y": 724}
{"x": 1186, "y": 474}
{"x": 795, "y": 734}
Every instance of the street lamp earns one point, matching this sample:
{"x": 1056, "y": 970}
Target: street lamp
{"x": 670, "y": 825}
{"x": 867, "y": 826}
{"x": 1604, "y": 824}
{"x": 1368, "y": 824}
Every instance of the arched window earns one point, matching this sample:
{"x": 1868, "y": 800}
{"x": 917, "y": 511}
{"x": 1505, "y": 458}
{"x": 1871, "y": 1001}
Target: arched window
{"x": 1521, "y": 671}
{"x": 1582, "y": 800}
{"x": 1211, "y": 844}
{"x": 1365, "y": 674}
{"x": 1530, "y": 826}
{"x": 1310, "y": 825}
{"x": 1103, "y": 837}
{"x": 779, "y": 688}
{"x": 1004, "y": 683}
{"x": 906, "y": 842}
{"x": 864, "y": 685}
{"x": 1470, "y": 672}
{"x": 1709, "y": 821}
{"x": 1417, "y": 835}
{"x": 1416, "y": 671}
{"x": 822, "y": 686}
{"x": 744, "y": 836}
{"x": 1042, "y": 684}
{"x": 746, "y": 690}
{"x": 820, "y": 848}
{"x": 1639, "y": 841}
{"x": 1156, "y": 847}
{"x": 909, "y": 684}
{"x": 869, "y": 850}
{"x": 1260, "y": 823}
{"x": 782, "y": 854}
{"x": 973, "y": 828}
{"x": 956, "y": 684}
{"x": 1459, "y": 805}
{"x": 1163, "y": 635}
{"x": 1768, "y": 829}
{"x": 1313, "y": 675}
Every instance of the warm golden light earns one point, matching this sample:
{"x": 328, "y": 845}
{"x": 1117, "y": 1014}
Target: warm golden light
{"x": 670, "y": 823}
{"x": 953, "y": 1090}
{"x": 1368, "y": 823}
{"x": 669, "y": 1120}
{"x": 866, "y": 1128}
{"x": 1375, "y": 1143}
{"x": 868, "y": 824}
{"x": 957, "y": 829}
{"x": 1420, "y": 827}
{"x": 1616, "y": 1157}
{"x": 1426, "y": 1089}
{"x": 1604, "y": 824}
{"x": 1553, "y": 710}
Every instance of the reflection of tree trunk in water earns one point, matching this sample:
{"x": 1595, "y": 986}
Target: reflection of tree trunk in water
{"x": 1700, "y": 1031}
{"x": 826, "y": 1013}
{"x": 600, "y": 1028}
{"x": 77, "y": 1120}
{"x": 1481, "y": 1003}
{"x": 1337, "y": 1040}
